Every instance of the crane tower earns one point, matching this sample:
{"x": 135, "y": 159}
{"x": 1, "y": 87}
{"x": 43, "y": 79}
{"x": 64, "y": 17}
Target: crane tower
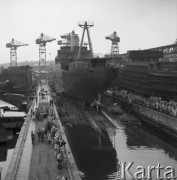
{"x": 13, "y": 45}
{"x": 115, "y": 43}
{"x": 85, "y": 25}
{"x": 42, "y": 40}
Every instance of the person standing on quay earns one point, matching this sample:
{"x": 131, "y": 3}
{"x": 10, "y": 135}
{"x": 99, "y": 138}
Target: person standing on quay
{"x": 39, "y": 135}
{"x": 51, "y": 102}
{"x": 32, "y": 137}
{"x": 49, "y": 138}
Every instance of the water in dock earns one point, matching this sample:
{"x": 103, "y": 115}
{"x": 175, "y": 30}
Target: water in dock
{"x": 126, "y": 144}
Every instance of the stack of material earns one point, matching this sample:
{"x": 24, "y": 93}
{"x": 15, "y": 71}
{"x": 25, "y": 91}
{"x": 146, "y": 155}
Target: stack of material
{"x": 128, "y": 119}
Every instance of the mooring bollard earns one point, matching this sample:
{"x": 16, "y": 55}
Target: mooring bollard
{"x": 0, "y": 172}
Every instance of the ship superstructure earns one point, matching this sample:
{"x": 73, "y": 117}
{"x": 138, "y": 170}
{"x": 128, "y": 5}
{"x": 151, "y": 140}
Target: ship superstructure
{"x": 69, "y": 48}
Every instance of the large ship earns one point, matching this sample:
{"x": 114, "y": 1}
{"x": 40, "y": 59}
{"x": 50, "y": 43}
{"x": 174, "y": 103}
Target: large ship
{"x": 146, "y": 73}
{"x": 81, "y": 75}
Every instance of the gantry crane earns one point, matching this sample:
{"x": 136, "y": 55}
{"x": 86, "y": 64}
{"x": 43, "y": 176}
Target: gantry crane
{"x": 85, "y": 25}
{"x": 13, "y": 45}
{"x": 42, "y": 40}
{"x": 115, "y": 43}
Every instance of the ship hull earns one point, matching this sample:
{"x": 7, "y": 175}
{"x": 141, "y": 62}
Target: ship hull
{"x": 143, "y": 81}
{"x": 85, "y": 83}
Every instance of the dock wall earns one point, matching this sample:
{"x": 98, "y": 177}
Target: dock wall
{"x": 16, "y": 157}
{"x": 166, "y": 123}
{"x": 73, "y": 170}
{"x": 158, "y": 120}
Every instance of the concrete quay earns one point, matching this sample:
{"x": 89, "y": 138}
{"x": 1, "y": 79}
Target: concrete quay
{"x": 161, "y": 122}
{"x": 38, "y": 161}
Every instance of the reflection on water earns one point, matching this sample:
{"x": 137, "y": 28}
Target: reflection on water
{"x": 125, "y": 144}
{"x": 144, "y": 138}
{"x": 94, "y": 160}
{"x": 6, "y": 151}
{"x": 135, "y": 144}
{"x": 3, "y": 152}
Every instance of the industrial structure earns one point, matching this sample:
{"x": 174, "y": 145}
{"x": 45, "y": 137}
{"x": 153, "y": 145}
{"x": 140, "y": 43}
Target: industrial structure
{"x": 85, "y": 25}
{"x": 69, "y": 39}
{"x": 115, "y": 43}
{"x": 169, "y": 51}
{"x": 16, "y": 80}
{"x": 13, "y": 45}
{"x": 42, "y": 40}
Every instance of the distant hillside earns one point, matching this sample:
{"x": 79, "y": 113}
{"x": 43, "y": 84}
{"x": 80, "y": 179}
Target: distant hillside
{"x": 30, "y": 63}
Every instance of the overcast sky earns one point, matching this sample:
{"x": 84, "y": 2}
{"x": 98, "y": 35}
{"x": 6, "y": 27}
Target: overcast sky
{"x": 140, "y": 24}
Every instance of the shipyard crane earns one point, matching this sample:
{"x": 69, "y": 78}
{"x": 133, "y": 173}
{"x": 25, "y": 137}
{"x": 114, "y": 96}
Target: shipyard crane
{"x": 85, "y": 25}
{"x": 42, "y": 41}
{"x": 13, "y": 45}
{"x": 115, "y": 43}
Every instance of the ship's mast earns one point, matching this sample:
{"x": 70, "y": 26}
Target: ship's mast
{"x": 85, "y": 25}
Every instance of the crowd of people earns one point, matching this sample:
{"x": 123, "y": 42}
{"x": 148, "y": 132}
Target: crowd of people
{"x": 48, "y": 131}
{"x": 155, "y": 103}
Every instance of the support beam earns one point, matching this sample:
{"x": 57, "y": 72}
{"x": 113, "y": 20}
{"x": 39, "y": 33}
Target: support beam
{"x": 42, "y": 57}
{"x": 13, "y": 57}
{"x": 85, "y": 25}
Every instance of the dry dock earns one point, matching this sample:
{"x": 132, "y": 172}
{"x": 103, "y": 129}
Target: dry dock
{"x": 38, "y": 161}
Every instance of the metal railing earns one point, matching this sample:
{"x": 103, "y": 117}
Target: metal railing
{"x": 82, "y": 23}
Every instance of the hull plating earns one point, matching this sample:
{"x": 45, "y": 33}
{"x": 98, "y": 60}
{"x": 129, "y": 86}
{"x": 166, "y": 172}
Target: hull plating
{"x": 85, "y": 83}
